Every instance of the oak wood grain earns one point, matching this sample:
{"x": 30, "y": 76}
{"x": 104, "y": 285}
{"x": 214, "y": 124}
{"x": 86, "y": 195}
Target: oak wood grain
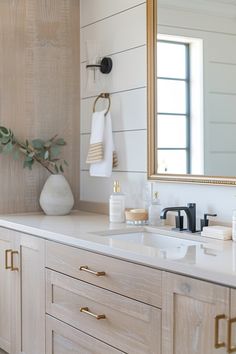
{"x": 63, "y": 339}
{"x": 188, "y": 315}
{"x": 39, "y": 90}
{"x": 132, "y": 280}
{"x": 129, "y": 325}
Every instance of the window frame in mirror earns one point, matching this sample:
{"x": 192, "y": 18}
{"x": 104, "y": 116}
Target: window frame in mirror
{"x": 152, "y": 113}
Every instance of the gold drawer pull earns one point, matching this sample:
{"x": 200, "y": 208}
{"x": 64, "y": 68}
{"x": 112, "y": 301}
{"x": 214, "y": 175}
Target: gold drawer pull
{"x": 12, "y": 261}
{"x": 217, "y": 322}
{"x": 86, "y": 269}
{"x": 230, "y": 347}
{"x": 6, "y": 259}
{"x": 86, "y": 310}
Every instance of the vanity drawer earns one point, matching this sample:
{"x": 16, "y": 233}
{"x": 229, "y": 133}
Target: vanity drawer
{"x": 129, "y": 325}
{"x": 63, "y": 339}
{"x": 132, "y": 280}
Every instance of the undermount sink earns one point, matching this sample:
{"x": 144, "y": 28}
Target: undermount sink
{"x": 155, "y": 244}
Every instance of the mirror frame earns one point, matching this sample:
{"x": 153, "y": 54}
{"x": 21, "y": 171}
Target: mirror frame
{"x": 152, "y": 109}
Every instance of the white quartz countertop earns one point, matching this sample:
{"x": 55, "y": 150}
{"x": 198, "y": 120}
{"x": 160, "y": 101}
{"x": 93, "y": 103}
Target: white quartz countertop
{"x": 210, "y": 260}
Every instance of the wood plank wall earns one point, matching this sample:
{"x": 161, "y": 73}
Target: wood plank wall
{"x": 39, "y": 90}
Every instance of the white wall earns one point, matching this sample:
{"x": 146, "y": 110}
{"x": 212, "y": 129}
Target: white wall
{"x": 120, "y": 28}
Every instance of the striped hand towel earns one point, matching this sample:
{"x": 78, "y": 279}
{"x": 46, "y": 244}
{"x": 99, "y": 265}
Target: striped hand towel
{"x": 110, "y": 160}
{"x": 96, "y": 151}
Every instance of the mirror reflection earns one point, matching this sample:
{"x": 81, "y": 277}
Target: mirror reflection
{"x": 196, "y": 87}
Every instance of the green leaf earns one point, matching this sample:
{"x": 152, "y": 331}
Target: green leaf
{"x": 4, "y": 131}
{"x": 28, "y": 158}
{"x": 66, "y": 163}
{"x": 38, "y": 143}
{"x": 48, "y": 144}
{"x": 54, "y": 152}
{"x": 61, "y": 169}
{"x": 5, "y": 139}
{"x": 60, "y": 141}
{"x": 8, "y": 148}
{"x": 28, "y": 164}
{"x": 31, "y": 154}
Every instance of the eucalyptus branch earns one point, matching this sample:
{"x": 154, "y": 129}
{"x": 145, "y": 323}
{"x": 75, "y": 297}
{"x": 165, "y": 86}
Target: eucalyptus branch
{"x": 46, "y": 153}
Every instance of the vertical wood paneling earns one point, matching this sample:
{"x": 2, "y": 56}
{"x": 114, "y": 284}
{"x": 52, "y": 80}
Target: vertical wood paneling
{"x": 39, "y": 89}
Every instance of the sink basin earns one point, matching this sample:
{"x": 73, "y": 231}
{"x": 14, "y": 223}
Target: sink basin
{"x": 155, "y": 244}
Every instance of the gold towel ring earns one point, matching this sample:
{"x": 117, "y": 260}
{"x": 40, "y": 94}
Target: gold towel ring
{"x": 103, "y": 95}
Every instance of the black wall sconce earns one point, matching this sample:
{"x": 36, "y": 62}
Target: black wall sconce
{"x": 105, "y": 65}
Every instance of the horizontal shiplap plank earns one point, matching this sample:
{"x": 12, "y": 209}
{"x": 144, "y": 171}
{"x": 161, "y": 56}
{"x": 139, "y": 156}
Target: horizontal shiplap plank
{"x": 95, "y": 10}
{"x": 119, "y": 39}
{"x": 221, "y": 78}
{"x": 221, "y": 108}
{"x": 221, "y": 137}
{"x": 128, "y": 110}
{"x": 220, "y": 164}
{"x": 198, "y": 21}
{"x": 129, "y": 72}
{"x": 98, "y": 190}
{"x": 131, "y": 150}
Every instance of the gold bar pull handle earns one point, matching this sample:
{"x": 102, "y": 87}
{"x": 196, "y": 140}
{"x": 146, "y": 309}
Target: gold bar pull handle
{"x": 6, "y": 259}
{"x": 13, "y": 269}
{"x": 86, "y": 310}
{"x": 230, "y": 347}
{"x": 218, "y": 344}
{"x": 86, "y": 269}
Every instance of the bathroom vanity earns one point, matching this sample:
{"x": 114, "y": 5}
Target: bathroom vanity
{"x": 79, "y": 284}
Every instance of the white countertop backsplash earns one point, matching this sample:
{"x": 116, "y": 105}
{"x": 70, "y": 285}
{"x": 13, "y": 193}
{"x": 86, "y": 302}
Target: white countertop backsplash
{"x": 215, "y": 261}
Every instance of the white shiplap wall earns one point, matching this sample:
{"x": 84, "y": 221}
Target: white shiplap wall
{"x": 217, "y": 29}
{"x": 120, "y": 27}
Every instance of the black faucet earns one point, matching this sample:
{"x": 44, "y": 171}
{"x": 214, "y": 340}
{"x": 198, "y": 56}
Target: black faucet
{"x": 190, "y": 211}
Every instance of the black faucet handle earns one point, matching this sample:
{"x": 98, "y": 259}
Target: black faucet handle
{"x": 205, "y": 221}
{"x": 179, "y": 222}
{"x": 191, "y": 205}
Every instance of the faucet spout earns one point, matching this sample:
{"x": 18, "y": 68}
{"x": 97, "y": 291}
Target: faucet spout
{"x": 190, "y": 211}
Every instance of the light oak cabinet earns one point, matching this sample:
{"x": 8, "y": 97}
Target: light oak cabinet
{"x": 232, "y": 323}
{"x": 9, "y": 293}
{"x": 58, "y": 299}
{"x": 64, "y": 339}
{"x": 114, "y": 301}
{"x": 198, "y": 317}
{"x": 22, "y": 293}
{"x": 130, "y": 326}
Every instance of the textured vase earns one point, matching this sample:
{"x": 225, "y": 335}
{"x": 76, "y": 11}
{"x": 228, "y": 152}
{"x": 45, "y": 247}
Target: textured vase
{"x": 56, "y": 197}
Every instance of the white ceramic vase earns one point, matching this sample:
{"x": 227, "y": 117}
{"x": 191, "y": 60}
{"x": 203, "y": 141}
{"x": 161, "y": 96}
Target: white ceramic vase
{"x": 56, "y": 197}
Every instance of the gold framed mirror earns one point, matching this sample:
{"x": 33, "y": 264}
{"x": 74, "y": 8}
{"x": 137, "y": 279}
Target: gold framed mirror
{"x": 207, "y": 122}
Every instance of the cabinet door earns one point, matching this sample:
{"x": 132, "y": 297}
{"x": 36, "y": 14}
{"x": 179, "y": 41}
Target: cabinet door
{"x": 63, "y": 339}
{"x": 232, "y": 324}
{"x": 5, "y": 292}
{"x": 9, "y": 292}
{"x": 190, "y": 324}
{"x": 33, "y": 295}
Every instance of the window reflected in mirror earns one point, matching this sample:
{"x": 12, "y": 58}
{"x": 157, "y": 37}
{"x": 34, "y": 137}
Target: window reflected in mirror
{"x": 179, "y": 127}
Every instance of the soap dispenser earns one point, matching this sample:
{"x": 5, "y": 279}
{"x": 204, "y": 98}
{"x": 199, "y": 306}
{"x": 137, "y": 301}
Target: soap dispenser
{"x": 117, "y": 204}
{"x": 154, "y": 211}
